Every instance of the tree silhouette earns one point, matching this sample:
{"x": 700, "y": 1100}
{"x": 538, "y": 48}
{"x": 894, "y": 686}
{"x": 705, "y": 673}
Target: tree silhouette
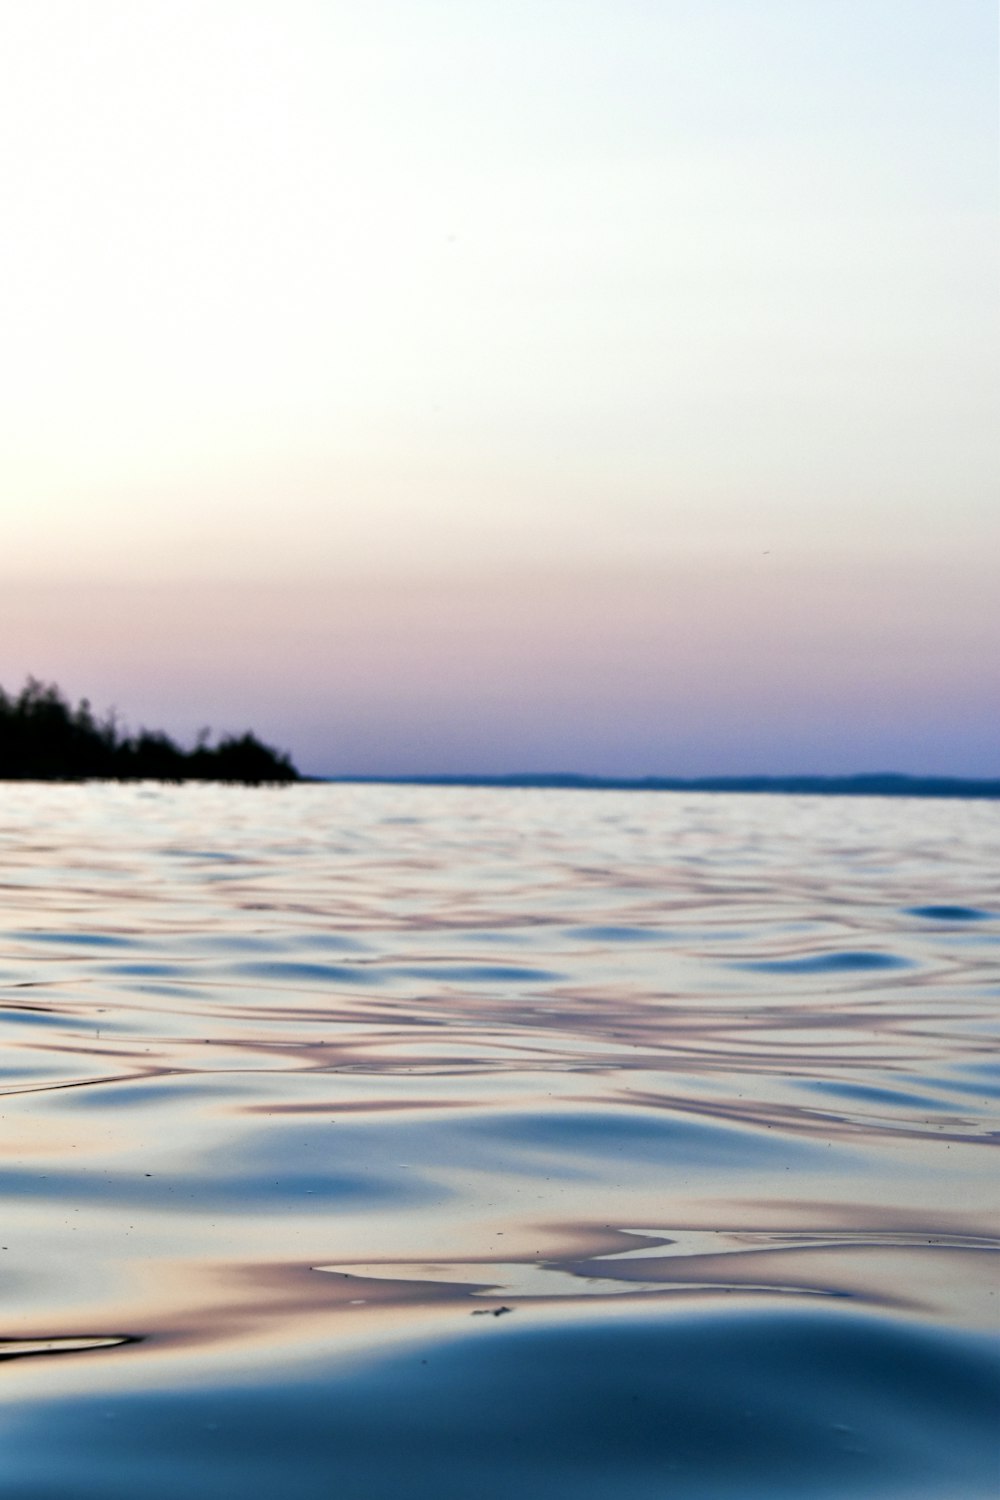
{"x": 43, "y": 738}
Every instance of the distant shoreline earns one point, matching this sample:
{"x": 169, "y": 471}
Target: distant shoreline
{"x": 877, "y": 784}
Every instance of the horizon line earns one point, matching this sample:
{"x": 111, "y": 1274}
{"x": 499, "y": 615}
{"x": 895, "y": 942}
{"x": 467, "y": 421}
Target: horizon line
{"x": 862, "y": 783}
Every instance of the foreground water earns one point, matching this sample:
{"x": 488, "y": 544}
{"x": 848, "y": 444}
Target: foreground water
{"x": 378, "y": 1142}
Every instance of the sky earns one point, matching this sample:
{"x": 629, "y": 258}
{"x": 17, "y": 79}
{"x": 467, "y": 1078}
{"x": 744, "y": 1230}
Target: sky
{"x": 504, "y": 385}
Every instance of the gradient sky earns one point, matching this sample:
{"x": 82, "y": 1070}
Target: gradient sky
{"x": 493, "y": 385}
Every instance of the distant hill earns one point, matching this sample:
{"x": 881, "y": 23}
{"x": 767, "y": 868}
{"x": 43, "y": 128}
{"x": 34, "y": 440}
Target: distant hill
{"x": 43, "y": 738}
{"x": 876, "y": 784}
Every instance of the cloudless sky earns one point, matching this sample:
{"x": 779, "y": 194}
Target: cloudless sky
{"x": 486, "y": 385}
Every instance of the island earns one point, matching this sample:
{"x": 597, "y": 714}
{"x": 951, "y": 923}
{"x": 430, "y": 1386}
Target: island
{"x": 43, "y": 738}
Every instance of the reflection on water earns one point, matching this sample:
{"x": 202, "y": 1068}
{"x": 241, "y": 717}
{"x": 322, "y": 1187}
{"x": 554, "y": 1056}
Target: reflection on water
{"x": 696, "y": 1094}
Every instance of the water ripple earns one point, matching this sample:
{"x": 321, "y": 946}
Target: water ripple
{"x": 697, "y": 1095}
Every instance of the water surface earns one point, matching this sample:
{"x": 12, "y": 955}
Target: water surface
{"x": 450, "y": 1142}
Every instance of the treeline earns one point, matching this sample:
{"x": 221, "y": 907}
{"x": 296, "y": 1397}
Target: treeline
{"x": 43, "y": 738}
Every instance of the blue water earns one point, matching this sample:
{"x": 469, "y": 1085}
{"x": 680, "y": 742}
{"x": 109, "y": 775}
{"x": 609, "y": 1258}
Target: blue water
{"x": 441, "y": 1142}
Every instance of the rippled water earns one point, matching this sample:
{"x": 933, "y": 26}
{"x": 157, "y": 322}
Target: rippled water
{"x": 481, "y": 1144}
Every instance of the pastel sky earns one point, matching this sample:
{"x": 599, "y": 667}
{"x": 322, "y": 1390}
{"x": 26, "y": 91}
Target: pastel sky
{"x": 496, "y": 385}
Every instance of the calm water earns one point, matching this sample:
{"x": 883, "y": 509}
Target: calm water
{"x": 493, "y": 1145}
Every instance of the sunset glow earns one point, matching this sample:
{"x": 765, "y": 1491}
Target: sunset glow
{"x": 503, "y": 387}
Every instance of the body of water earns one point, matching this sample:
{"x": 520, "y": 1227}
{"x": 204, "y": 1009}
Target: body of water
{"x": 455, "y": 1144}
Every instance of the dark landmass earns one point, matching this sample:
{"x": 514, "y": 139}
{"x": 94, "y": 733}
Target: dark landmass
{"x": 873, "y": 784}
{"x": 43, "y": 738}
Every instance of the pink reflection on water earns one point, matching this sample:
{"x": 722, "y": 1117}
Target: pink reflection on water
{"x": 318, "y": 1064}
